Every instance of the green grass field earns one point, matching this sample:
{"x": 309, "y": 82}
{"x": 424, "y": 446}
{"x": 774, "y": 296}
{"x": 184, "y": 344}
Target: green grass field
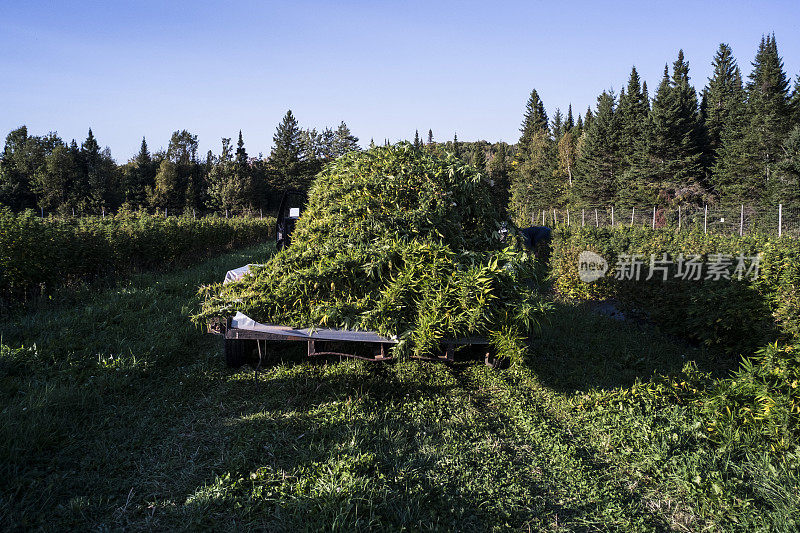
{"x": 118, "y": 413}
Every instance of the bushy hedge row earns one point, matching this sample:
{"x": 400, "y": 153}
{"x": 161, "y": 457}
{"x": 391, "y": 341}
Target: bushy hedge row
{"x": 735, "y": 315}
{"x": 40, "y": 255}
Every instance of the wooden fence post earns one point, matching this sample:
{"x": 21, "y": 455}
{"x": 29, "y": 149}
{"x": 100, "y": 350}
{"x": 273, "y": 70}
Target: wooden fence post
{"x": 741, "y": 221}
{"x": 654, "y": 217}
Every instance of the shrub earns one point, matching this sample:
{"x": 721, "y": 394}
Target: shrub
{"x": 37, "y": 256}
{"x": 735, "y": 315}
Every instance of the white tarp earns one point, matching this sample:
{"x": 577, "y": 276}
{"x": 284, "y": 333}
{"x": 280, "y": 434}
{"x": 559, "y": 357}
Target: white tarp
{"x": 242, "y": 321}
{"x": 237, "y": 273}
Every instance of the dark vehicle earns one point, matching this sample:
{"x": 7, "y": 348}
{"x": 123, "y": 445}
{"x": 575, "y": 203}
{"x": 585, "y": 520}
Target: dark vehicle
{"x": 292, "y": 202}
{"x": 537, "y": 238}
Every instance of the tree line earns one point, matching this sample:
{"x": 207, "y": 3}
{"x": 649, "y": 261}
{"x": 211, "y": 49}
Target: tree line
{"x": 735, "y": 142}
{"x": 738, "y": 142}
{"x": 44, "y": 172}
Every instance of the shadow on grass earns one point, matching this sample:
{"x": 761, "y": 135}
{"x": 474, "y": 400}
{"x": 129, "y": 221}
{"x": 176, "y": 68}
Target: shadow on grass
{"x": 580, "y": 349}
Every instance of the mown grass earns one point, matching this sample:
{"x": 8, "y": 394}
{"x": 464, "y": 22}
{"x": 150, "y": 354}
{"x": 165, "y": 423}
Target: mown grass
{"x": 118, "y": 413}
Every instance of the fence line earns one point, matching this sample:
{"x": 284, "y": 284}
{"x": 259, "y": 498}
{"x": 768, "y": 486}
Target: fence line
{"x": 732, "y": 220}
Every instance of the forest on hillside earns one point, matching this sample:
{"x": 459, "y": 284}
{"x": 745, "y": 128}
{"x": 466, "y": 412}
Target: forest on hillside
{"x": 738, "y": 142}
{"x": 735, "y": 141}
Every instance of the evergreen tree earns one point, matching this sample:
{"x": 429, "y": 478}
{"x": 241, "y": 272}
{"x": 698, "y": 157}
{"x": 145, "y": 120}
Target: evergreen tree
{"x": 241, "y": 153}
{"x": 344, "y": 140}
{"x": 430, "y": 137}
{"x": 752, "y": 146}
{"x": 479, "y": 156}
{"x": 599, "y": 163}
{"x": 558, "y": 125}
{"x": 286, "y": 150}
{"x": 632, "y": 118}
{"x": 21, "y": 158}
{"x": 417, "y": 142}
{"x": 327, "y": 144}
{"x": 587, "y": 118}
{"x": 569, "y": 122}
{"x": 456, "y": 146}
{"x": 533, "y": 122}
{"x": 139, "y": 175}
{"x": 667, "y": 164}
{"x": 795, "y": 103}
{"x": 98, "y": 175}
{"x": 769, "y": 109}
{"x": 243, "y": 177}
{"x": 790, "y": 170}
{"x": 723, "y": 101}
{"x": 311, "y": 145}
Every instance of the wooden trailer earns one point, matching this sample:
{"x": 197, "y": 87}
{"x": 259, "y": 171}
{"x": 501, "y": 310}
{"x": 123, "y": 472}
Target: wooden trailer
{"x": 245, "y": 342}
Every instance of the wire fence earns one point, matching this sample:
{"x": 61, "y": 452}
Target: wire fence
{"x": 735, "y": 220}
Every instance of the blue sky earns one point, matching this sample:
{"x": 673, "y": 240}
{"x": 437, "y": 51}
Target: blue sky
{"x": 386, "y": 68}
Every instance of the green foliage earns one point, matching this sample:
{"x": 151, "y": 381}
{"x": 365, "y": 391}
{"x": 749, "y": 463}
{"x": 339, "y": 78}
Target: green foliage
{"x": 40, "y": 256}
{"x": 734, "y": 315}
{"x": 401, "y": 242}
{"x": 599, "y": 163}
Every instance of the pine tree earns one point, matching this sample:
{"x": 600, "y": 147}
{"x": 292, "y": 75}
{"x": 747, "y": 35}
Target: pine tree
{"x": 587, "y": 118}
{"x": 286, "y": 150}
{"x": 790, "y": 170}
{"x": 795, "y": 103}
{"x": 667, "y": 164}
{"x": 752, "y": 147}
{"x": 344, "y": 141}
{"x": 599, "y": 163}
{"x": 241, "y": 153}
{"x": 430, "y": 137}
{"x": 17, "y": 164}
{"x": 534, "y": 184}
{"x": 558, "y": 125}
{"x": 569, "y": 123}
{"x": 140, "y": 176}
{"x": 632, "y": 118}
{"x": 769, "y": 108}
{"x": 534, "y": 121}
{"x": 479, "y": 156}
{"x": 724, "y": 99}
{"x": 417, "y": 142}
{"x": 456, "y": 146}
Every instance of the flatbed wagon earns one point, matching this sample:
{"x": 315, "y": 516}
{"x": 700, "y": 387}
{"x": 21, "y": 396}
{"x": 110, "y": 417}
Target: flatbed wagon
{"x": 245, "y": 342}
